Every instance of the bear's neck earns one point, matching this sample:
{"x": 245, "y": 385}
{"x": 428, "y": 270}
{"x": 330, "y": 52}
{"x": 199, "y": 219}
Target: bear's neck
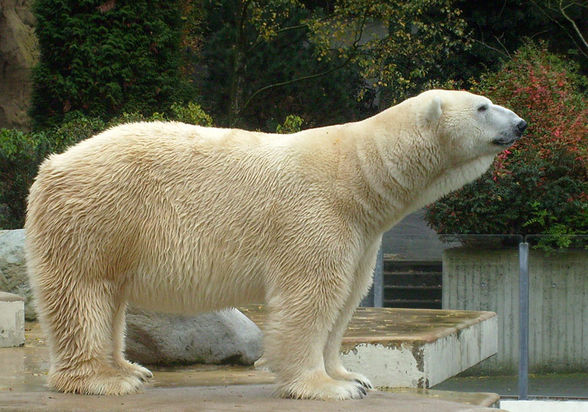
{"x": 398, "y": 171}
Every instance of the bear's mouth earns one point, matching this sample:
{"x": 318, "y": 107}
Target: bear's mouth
{"x": 505, "y": 141}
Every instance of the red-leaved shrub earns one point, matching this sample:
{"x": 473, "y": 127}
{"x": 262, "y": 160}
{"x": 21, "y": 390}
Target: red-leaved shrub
{"x": 539, "y": 184}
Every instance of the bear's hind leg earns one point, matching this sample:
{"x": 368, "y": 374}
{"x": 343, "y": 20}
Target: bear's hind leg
{"x": 118, "y": 346}
{"x": 78, "y": 316}
{"x": 296, "y": 333}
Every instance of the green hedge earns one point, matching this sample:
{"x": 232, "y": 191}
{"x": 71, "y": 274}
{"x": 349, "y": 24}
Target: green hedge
{"x": 21, "y": 153}
{"x": 106, "y": 57}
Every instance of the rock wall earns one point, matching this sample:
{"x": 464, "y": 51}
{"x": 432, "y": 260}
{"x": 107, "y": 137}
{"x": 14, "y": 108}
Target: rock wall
{"x": 19, "y": 52}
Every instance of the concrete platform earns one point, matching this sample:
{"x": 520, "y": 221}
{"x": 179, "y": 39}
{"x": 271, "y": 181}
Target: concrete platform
{"x": 415, "y": 348}
{"x": 256, "y": 398}
{"x": 221, "y": 388}
{"x": 201, "y": 388}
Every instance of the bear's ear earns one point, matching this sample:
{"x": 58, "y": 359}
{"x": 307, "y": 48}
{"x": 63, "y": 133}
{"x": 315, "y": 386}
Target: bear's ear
{"x": 433, "y": 111}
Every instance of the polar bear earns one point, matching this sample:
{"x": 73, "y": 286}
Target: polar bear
{"x": 180, "y": 218}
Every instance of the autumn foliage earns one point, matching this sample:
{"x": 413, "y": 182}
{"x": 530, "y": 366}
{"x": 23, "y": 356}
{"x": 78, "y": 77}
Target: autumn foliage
{"x": 539, "y": 185}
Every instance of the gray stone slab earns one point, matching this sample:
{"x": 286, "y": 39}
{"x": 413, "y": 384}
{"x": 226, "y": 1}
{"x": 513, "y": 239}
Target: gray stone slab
{"x": 10, "y": 297}
{"x": 226, "y": 336}
{"x": 12, "y": 319}
{"x": 13, "y": 270}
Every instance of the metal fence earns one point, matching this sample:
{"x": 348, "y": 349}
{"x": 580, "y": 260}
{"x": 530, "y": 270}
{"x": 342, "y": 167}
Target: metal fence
{"x": 544, "y": 262}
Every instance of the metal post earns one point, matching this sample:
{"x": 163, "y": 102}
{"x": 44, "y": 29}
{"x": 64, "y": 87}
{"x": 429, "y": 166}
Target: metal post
{"x": 368, "y": 300}
{"x": 379, "y": 280}
{"x": 523, "y": 320}
{"x": 375, "y": 297}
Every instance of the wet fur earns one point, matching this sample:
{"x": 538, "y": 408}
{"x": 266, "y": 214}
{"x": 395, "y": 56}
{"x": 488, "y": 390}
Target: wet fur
{"x": 186, "y": 219}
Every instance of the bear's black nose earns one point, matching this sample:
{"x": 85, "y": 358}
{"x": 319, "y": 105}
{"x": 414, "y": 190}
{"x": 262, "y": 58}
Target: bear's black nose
{"x": 521, "y": 126}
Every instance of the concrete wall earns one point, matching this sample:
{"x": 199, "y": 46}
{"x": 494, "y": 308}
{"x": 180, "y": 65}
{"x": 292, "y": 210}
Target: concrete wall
{"x": 475, "y": 279}
{"x": 412, "y": 239}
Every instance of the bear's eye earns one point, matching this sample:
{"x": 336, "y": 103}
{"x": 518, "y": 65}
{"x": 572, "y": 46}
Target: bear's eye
{"x": 483, "y": 108}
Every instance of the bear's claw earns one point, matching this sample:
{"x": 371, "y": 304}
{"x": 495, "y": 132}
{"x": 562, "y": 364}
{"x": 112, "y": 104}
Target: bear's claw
{"x": 365, "y": 384}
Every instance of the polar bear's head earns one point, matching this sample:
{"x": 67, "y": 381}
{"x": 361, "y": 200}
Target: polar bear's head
{"x": 469, "y": 125}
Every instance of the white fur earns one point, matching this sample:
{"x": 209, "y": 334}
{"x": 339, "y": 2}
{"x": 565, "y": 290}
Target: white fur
{"x": 181, "y": 218}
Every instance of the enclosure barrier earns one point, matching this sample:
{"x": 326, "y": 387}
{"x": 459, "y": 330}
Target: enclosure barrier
{"x": 375, "y": 297}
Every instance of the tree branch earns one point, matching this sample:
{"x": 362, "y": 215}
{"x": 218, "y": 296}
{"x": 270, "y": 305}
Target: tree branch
{"x": 280, "y": 31}
{"x": 298, "y": 79}
{"x": 573, "y": 23}
{"x": 564, "y": 29}
{"x": 354, "y": 48}
{"x": 503, "y": 53}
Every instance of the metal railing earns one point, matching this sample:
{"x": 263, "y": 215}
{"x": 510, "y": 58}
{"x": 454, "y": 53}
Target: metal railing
{"x": 523, "y": 321}
{"x": 375, "y": 297}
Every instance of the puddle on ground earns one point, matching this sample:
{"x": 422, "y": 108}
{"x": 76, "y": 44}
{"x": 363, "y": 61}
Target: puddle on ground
{"x": 474, "y": 398}
{"x": 24, "y": 369}
{"x": 209, "y": 375}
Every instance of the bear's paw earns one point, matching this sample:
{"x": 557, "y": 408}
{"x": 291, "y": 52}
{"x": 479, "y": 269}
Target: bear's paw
{"x": 101, "y": 382}
{"x": 338, "y": 372}
{"x": 134, "y": 369}
{"x": 322, "y": 387}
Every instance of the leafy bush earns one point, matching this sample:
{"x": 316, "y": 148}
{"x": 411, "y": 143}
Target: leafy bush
{"x": 106, "y": 57}
{"x": 136, "y": 117}
{"x": 21, "y": 153}
{"x": 191, "y": 113}
{"x": 292, "y": 124}
{"x": 539, "y": 185}
{"x": 75, "y": 128}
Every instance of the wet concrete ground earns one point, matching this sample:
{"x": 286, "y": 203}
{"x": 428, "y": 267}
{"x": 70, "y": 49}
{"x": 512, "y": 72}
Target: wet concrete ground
{"x": 394, "y": 326}
{"x": 23, "y": 374}
{"x": 256, "y": 398}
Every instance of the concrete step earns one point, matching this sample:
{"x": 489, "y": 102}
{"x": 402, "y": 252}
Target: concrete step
{"x": 412, "y": 287}
{"x": 12, "y": 320}
{"x": 412, "y": 303}
{"x": 392, "y": 262}
{"x": 412, "y": 284}
{"x": 415, "y": 348}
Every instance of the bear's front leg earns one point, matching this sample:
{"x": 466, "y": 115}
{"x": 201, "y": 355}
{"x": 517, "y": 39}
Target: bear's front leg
{"x": 361, "y": 284}
{"x": 296, "y": 333}
{"x": 333, "y": 364}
